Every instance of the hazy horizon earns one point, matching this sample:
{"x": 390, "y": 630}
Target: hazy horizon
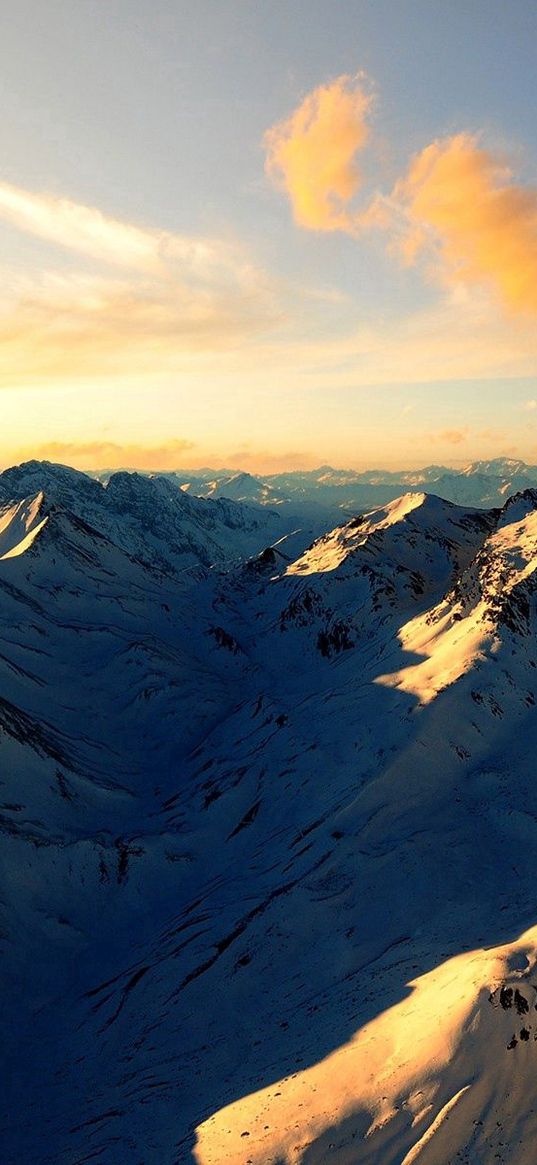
{"x": 455, "y": 464}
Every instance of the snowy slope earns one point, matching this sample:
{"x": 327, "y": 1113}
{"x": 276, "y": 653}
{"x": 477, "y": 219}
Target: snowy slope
{"x": 268, "y": 840}
{"x": 20, "y": 523}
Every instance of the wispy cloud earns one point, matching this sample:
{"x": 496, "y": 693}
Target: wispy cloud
{"x": 312, "y": 154}
{"x": 86, "y": 230}
{"x": 168, "y": 297}
{"x": 81, "y": 228}
{"x": 80, "y": 325}
{"x": 448, "y": 436}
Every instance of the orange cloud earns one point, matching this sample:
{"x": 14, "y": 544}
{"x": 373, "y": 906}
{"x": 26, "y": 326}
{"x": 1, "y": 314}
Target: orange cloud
{"x": 110, "y": 455}
{"x": 463, "y": 209}
{"x": 458, "y": 203}
{"x": 312, "y": 154}
{"x": 449, "y": 436}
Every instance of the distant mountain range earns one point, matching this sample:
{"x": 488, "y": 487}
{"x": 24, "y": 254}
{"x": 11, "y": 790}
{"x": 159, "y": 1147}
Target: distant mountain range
{"x": 481, "y": 483}
{"x": 268, "y": 822}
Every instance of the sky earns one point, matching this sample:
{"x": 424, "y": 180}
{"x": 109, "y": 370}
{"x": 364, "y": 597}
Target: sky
{"x": 268, "y": 235}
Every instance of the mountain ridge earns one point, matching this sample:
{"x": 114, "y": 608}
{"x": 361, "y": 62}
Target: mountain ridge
{"x": 479, "y": 483}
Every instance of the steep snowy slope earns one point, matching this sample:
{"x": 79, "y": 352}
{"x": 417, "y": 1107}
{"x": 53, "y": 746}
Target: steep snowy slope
{"x": 267, "y": 884}
{"x": 20, "y": 523}
{"x": 367, "y": 574}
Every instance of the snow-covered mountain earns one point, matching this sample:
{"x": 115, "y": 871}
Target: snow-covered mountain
{"x": 268, "y": 830}
{"x": 241, "y": 487}
{"x": 150, "y": 518}
{"x": 481, "y": 483}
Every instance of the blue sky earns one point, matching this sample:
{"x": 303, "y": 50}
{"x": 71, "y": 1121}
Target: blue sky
{"x": 263, "y": 340}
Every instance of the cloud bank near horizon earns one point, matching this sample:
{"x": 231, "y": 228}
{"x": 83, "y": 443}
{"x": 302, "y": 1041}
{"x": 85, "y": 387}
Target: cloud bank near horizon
{"x": 103, "y": 454}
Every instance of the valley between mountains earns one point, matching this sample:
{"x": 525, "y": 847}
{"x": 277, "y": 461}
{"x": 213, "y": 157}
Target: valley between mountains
{"x": 268, "y": 825}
